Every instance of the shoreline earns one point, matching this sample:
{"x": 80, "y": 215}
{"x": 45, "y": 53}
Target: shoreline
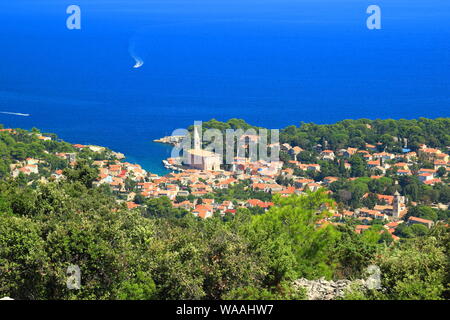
{"x": 171, "y": 140}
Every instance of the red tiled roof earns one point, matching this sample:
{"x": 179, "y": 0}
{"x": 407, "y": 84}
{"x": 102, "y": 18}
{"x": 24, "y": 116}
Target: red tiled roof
{"x": 132, "y": 205}
{"x": 420, "y": 220}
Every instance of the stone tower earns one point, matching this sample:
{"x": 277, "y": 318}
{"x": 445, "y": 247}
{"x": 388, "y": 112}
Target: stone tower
{"x": 197, "y": 140}
{"x": 399, "y": 205}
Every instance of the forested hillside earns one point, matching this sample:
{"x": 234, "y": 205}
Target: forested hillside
{"x": 123, "y": 255}
{"x": 392, "y": 134}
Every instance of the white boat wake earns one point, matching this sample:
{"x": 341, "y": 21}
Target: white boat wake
{"x": 16, "y": 113}
{"x": 139, "y": 60}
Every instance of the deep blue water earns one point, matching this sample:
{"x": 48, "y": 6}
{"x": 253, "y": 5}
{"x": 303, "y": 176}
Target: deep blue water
{"x": 271, "y": 62}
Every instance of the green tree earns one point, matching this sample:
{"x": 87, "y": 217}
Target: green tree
{"x": 423, "y": 212}
{"x": 415, "y": 271}
{"x": 288, "y": 240}
{"x": 82, "y": 172}
{"x": 23, "y": 260}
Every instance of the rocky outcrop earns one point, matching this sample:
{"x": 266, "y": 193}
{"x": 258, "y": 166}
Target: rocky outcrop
{"x": 329, "y": 290}
{"x": 325, "y": 290}
{"x": 172, "y": 140}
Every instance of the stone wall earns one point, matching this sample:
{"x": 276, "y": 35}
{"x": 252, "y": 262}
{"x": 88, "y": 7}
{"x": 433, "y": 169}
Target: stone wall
{"x": 323, "y": 289}
{"x": 329, "y": 290}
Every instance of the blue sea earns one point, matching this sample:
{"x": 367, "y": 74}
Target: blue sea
{"x": 271, "y": 62}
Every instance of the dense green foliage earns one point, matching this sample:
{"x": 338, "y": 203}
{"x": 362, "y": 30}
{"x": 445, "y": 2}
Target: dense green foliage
{"x": 416, "y": 270}
{"x": 23, "y": 145}
{"x": 125, "y": 255}
{"x": 356, "y": 133}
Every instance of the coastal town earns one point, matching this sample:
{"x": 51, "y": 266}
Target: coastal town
{"x": 320, "y": 205}
{"x": 193, "y": 185}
